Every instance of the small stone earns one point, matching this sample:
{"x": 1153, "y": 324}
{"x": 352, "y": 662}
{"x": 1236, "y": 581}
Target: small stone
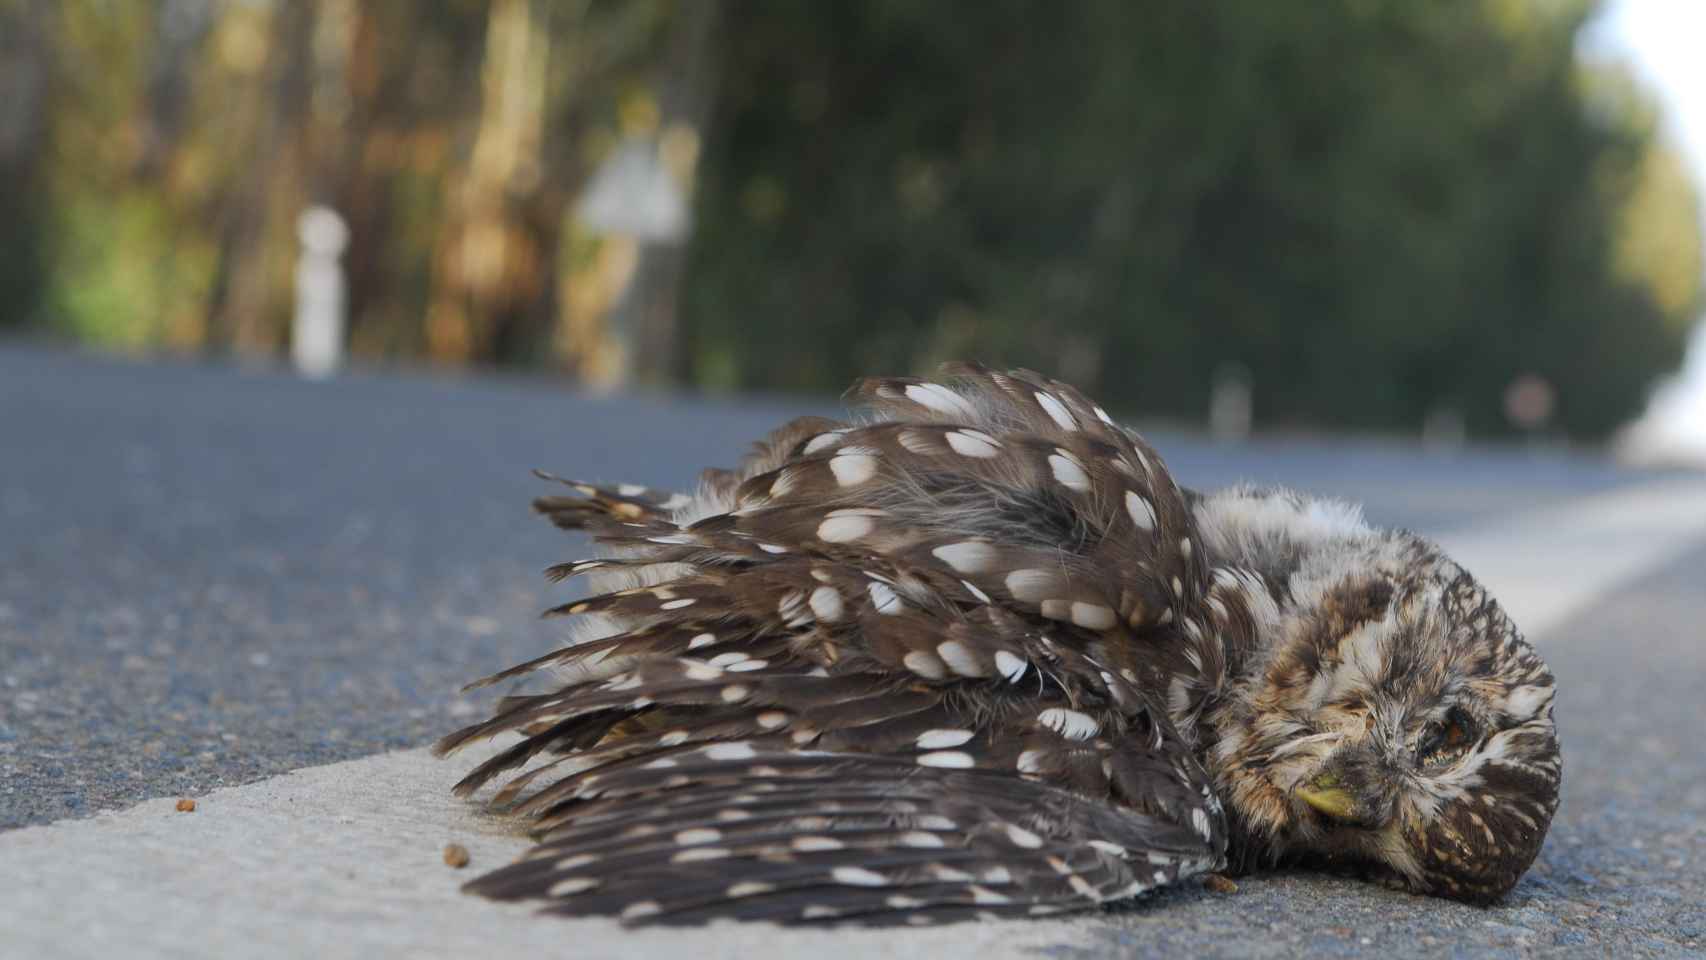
{"x": 186, "y": 805}
{"x": 455, "y": 855}
{"x": 1219, "y": 883}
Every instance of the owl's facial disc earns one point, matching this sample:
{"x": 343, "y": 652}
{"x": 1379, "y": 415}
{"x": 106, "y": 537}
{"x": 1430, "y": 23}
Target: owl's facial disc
{"x": 1406, "y": 732}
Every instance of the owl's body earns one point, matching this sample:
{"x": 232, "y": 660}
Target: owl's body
{"x": 980, "y": 654}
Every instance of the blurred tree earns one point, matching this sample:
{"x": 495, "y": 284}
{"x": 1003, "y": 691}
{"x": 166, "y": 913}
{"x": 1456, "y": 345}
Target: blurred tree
{"x": 650, "y": 307}
{"x": 451, "y": 134}
{"x": 1377, "y": 207}
{"x": 25, "y": 29}
{"x": 487, "y": 262}
{"x": 1658, "y": 243}
{"x": 1381, "y": 210}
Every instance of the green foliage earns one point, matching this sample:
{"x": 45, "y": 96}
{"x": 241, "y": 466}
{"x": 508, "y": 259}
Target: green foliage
{"x": 22, "y": 270}
{"x": 23, "y": 72}
{"x": 1378, "y": 207}
{"x": 124, "y": 276}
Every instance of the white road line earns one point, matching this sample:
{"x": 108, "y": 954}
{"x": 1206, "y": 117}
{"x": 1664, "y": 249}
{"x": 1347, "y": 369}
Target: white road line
{"x": 346, "y": 860}
{"x": 1548, "y": 565}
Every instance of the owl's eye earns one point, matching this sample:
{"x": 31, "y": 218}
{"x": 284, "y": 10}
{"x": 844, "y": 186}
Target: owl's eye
{"x": 1447, "y": 739}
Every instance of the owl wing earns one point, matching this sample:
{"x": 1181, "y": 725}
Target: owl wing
{"x": 896, "y": 672}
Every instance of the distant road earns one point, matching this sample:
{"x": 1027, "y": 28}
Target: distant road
{"x": 212, "y": 576}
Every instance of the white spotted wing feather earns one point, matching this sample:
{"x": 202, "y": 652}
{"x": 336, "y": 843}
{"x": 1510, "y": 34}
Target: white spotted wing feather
{"x": 899, "y": 672}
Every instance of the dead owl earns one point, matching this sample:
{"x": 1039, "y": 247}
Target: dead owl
{"x": 978, "y": 654}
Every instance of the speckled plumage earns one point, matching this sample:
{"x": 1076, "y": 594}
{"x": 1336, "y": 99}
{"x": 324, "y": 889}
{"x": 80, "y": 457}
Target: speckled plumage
{"x": 979, "y": 654}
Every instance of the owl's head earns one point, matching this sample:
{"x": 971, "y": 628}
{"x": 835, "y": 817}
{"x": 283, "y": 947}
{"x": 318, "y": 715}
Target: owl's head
{"x": 1401, "y": 728}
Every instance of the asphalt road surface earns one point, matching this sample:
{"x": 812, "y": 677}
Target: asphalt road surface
{"x": 210, "y": 577}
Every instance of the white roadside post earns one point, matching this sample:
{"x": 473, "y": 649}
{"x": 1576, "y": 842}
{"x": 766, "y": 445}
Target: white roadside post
{"x": 317, "y": 330}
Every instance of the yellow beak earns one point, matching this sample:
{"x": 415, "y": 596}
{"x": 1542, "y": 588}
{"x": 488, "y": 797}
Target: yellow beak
{"x": 1324, "y": 794}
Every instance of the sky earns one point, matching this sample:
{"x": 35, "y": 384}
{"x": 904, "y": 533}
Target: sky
{"x": 1662, "y": 39}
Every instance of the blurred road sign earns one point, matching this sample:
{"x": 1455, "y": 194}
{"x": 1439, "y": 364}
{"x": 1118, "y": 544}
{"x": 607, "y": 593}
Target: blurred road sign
{"x": 635, "y": 195}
